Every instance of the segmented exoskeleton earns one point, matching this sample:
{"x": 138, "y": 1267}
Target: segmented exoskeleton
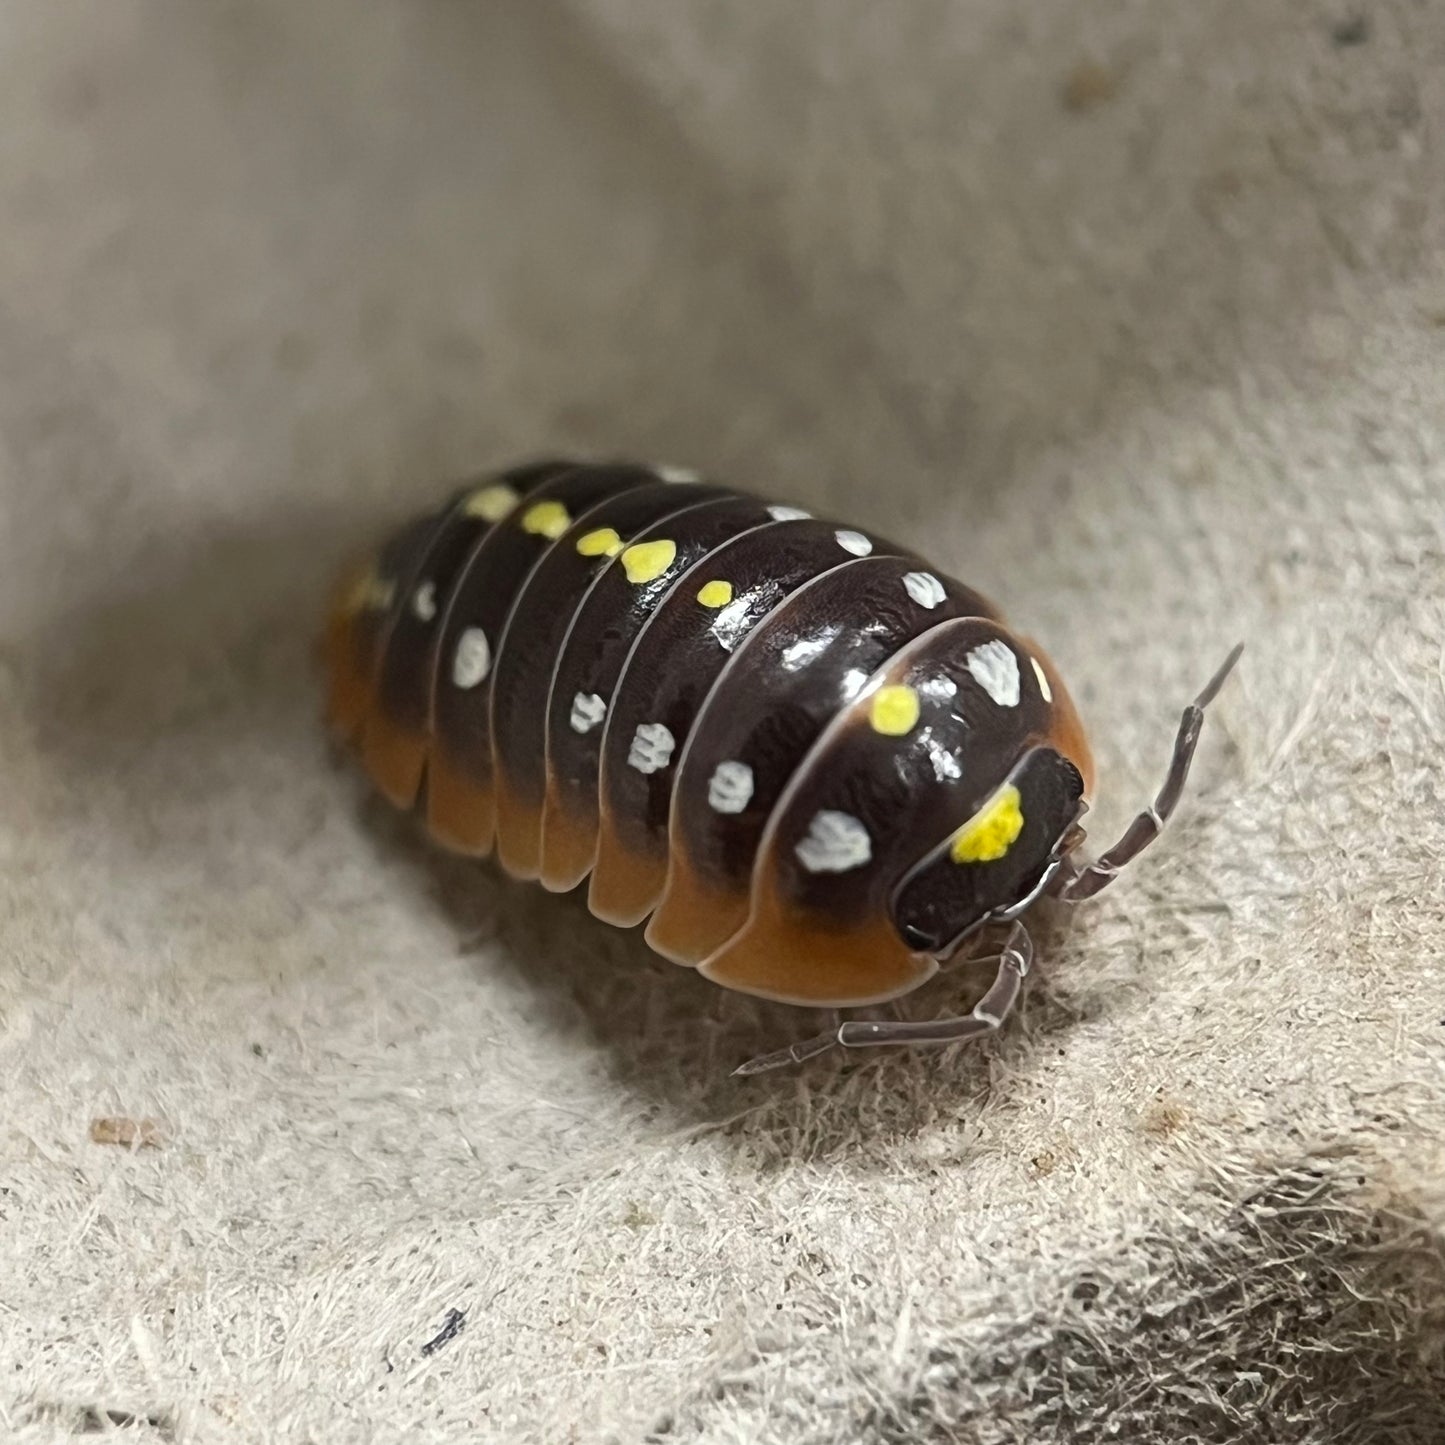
{"x": 818, "y": 763}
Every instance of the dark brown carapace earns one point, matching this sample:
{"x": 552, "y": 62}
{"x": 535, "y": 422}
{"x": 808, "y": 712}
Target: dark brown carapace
{"x": 818, "y": 764}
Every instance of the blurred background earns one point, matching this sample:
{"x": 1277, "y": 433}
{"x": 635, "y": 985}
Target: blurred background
{"x": 1129, "y": 315}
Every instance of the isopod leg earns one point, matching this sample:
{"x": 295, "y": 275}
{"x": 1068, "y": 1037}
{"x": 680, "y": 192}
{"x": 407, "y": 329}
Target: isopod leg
{"x": 990, "y": 1011}
{"x": 793, "y": 1054}
{"x": 1147, "y": 826}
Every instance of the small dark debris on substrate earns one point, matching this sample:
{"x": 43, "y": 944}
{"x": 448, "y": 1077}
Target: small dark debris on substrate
{"x": 77, "y": 1420}
{"x": 1353, "y": 30}
{"x": 451, "y": 1328}
{"x": 1089, "y": 85}
{"x": 95, "y": 1422}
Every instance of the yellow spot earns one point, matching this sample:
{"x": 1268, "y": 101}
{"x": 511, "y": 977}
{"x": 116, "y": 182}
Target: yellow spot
{"x": 491, "y": 504}
{"x": 894, "y": 711}
{"x": 369, "y": 593}
{"x": 357, "y": 593}
{"x": 715, "y": 594}
{"x": 546, "y": 519}
{"x": 647, "y": 561}
{"x": 992, "y": 831}
{"x": 604, "y": 542}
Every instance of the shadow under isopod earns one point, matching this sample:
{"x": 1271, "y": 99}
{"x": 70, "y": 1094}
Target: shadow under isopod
{"x": 674, "y": 1038}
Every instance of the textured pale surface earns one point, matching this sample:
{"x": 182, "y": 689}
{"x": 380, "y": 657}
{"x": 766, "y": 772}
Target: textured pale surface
{"x": 1131, "y": 315}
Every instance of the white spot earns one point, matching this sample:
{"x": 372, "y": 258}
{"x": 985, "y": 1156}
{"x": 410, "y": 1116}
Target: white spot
{"x": 1044, "y": 687}
{"x": 731, "y": 788}
{"x": 472, "y": 660}
{"x": 587, "y": 711}
{"x": 789, "y": 514}
{"x": 677, "y": 475}
{"x": 945, "y": 765}
{"x": 996, "y": 670}
{"x": 924, "y": 588}
{"x": 799, "y": 654}
{"x": 424, "y": 601}
{"x": 940, "y": 688}
{"x": 651, "y": 749}
{"x": 733, "y": 622}
{"x": 835, "y": 843}
{"x": 854, "y": 542}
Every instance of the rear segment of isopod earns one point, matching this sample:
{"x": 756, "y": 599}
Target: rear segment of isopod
{"x": 381, "y": 630}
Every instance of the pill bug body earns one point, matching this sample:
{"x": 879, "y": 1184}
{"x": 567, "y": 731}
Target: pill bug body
{"x": 813, "y": 760}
